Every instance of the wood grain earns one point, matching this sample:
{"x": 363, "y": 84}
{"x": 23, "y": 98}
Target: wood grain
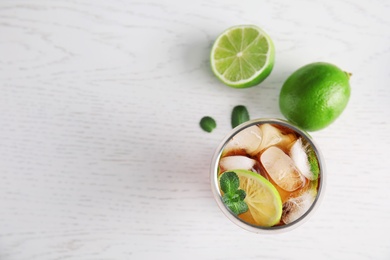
{"x": 101, "y": 154}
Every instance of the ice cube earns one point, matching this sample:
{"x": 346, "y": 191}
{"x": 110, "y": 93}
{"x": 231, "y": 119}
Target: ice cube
{"x": 281, "y": 168}
{"x": 248, "y": 139}
{"x": 237, "y": 162}
{"x": 272, "y": 136}
{"x": 294, "y": 208}
{"x": 298, "y": 154}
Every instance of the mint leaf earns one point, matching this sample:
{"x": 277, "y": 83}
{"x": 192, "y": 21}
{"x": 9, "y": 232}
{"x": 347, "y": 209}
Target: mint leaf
{"x": 237, "y": 207}
{"x": 229, "y": 182}
{"x": 239, "y": 115}
{"x": 237, "y": 196}
{"x": 208, "y": 124}
{"x": 241, "y": 194}
{"x": 226, "y": 198}
{"x": 241, "y": 207}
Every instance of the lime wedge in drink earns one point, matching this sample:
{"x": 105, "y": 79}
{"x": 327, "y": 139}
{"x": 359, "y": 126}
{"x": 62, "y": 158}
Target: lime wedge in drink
{"x": 242, "y": 56}
{"x": 263, "y": 200}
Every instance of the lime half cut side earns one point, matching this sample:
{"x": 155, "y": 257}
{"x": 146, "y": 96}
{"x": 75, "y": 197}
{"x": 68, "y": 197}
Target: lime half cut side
{"x": 242, "y": 56}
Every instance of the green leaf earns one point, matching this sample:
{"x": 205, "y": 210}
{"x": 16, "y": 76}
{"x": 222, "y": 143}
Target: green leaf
{"x": 242, "y": 207}
{"x": 208, "y": 124}
{"x": 229, "y": 182}
{"x": 239, "y": 115}
{"x": 232, "y": 197}
{"x": 241, "y": 194}
{"x": 237, "y": 207}
{"x": 227, "y": 198}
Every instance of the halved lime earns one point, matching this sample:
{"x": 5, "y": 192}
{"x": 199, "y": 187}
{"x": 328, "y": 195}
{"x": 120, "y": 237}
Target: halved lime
{"x": 263, "y": 200}
{"x": 242, "y": 56}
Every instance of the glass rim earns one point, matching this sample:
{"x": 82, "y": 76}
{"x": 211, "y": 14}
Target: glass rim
{"x": 238, "y": 221}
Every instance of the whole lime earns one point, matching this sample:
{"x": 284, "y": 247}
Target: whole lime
{"x": 315, "y": 95}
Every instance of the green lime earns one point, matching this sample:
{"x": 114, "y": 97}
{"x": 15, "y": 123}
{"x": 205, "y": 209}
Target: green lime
{"x": 242, "y": 56}
{"x": 315, "y": 95}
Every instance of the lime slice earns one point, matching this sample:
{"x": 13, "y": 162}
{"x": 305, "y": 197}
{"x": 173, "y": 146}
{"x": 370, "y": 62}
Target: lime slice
{"x": 242, "y": 56}
{"x": 263, "y": 200}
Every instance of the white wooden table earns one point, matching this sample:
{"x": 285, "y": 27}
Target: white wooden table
{"x": 101, "y": 154}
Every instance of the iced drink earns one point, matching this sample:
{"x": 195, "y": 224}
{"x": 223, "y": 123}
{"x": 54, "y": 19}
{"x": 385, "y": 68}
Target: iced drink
{"x": 267, "y": 175}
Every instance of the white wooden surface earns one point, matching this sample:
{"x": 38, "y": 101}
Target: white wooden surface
{"x": 101, "y": 155}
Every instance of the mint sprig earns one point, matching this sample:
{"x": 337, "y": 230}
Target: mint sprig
{"x": 233, "y": 197}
